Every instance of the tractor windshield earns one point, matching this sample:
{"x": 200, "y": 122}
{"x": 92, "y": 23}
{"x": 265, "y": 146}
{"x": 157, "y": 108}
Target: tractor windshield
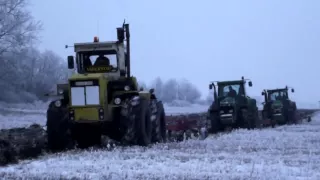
{"x": 278, "y": 95}
{"x": 229, "y": 90}
{"x": 97, "y": 61}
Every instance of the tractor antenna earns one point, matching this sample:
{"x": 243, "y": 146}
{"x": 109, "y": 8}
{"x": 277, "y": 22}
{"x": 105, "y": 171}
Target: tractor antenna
{"x": 98, "y": 27}
{"x": 124, "y": 22}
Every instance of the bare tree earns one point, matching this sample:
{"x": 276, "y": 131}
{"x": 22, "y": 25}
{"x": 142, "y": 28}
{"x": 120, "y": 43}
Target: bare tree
{"x": 17, "y": 26}
{"x": 18, "y": 31}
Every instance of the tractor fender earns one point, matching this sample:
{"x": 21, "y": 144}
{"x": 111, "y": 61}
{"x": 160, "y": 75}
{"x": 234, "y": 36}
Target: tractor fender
{"x": 145, "y": 95}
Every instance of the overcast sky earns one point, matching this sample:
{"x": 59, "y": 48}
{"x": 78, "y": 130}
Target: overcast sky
{"x": 273, "y": 42}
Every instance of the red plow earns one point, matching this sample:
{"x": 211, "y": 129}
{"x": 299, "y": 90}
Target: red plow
{"x": 185, "y": 126}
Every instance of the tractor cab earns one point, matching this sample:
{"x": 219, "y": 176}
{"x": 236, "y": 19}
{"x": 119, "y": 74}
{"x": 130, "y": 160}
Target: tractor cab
{"x": 276, "y": 96}
{"x": 111, "y": 58}
{"x": 229, "y": 92}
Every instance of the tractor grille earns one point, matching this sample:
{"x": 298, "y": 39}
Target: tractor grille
{"x": 226, "y": 110}
{"x": 84, "y": 92}
{"x": 116, "y": 86}
{"x": 83, "y": 83}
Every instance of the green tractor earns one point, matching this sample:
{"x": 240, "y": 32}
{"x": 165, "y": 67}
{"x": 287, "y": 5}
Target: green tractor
{"x": 278, "y": 108}
{"x": 232, "y": 107}
{"x": 102, "y": 98}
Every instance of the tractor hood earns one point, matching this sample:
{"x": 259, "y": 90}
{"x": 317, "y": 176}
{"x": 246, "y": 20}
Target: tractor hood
{"x": 85, "y": 76}
{"x": 276, "y": 104}
{"x": 93, "y": 76}
{"x": 227, "y": 101}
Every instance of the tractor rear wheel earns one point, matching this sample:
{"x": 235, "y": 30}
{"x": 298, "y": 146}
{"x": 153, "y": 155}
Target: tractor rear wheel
{"x": 215, "y": 123}
{"x": 139, "y": 126}
{"x": 58, "y": 128}
{"x": 158, "y": 122}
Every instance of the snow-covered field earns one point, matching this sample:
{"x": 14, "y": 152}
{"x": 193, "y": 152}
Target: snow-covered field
{"x": 287, "y": 152}
{"x": 22, "y": 115}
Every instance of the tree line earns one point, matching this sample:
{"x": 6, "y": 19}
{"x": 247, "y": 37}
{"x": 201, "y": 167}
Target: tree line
{"x": 174, "y": 90}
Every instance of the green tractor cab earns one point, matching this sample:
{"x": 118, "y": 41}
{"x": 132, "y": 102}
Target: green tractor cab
{"x": 102, "y": 98}
{"x": 278, "y": 108}
{"x": 231, "y": 106}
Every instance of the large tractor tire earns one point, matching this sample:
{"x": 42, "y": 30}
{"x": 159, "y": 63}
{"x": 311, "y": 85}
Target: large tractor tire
{"x": 273, "y": 123}
{"x": 58, "y": 128}
{"x": 257, "y": 120}
{"x": 158, "y": 122}
{"x": 215, "y": 122}
{"x": 139, "y": 125}
{"x": 251, "y": 117}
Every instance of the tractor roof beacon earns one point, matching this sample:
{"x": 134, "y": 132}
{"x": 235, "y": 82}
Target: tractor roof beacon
{"x": 102, "y": 98}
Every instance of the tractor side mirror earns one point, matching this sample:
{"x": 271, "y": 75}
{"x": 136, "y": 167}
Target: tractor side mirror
{"x": 120, "y": 34}
{"x": 210, "y": 86}
{"x": 151, "y": 91}
{"x": 250, "y": 83}
{"x": 292, "y": 90}
{"x": 70, "y": 62}
{"x": 262, "y": 93}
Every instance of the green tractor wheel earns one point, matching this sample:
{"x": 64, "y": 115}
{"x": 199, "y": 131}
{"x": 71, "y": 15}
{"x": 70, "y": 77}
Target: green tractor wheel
{"x": 158, "y": 122}
{"x": 58, "y": 129}
{"x": 139, "y": 126}
{"x": 215, "y": 123}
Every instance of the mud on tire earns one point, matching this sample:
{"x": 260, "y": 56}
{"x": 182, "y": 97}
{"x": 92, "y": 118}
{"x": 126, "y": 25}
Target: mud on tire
{"x": 137, "y": 121}
{"x": 58, "y": 129}
{"x": 158, "y": 122}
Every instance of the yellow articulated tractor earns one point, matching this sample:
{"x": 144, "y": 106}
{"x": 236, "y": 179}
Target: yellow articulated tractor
{"x": 102, "y": 98}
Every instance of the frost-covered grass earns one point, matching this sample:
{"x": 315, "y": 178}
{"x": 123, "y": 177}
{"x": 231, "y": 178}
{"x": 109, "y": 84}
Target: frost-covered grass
{"x": 13, "y": 121}
{"x": 37, "y": 107}
{"x": 287, "y": 152}
{"x": 22, "y": 115}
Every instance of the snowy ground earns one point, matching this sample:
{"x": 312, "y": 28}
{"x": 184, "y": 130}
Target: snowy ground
{"x": 287, "y": 152}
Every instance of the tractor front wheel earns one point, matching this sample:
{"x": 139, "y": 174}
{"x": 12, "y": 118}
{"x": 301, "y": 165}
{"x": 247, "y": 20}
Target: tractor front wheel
{"x": 138, "y": 122}
{"x": 215, "y": 123}
{"x": 58, "y": 128}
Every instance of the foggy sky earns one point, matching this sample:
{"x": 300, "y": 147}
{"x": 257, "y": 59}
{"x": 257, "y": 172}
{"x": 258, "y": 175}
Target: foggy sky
{"x": 272, "y": 42}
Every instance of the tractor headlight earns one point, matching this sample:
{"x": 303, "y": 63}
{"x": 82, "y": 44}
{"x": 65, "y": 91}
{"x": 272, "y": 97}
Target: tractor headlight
{"x": 117, "y": 101}
{"x": 60, "y": 91}
{"x": 57, "y": 103}
{"x": 127, "y": 88}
